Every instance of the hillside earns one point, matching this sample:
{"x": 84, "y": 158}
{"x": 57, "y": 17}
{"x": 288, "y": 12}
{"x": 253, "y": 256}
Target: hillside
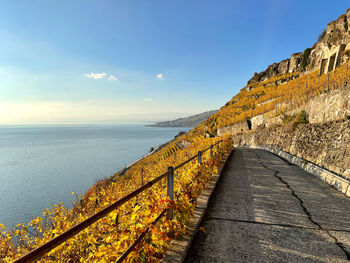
{"x": 302, "y": 110}
{"x": 288, "y": 85}
{"x": 190, "y": 121}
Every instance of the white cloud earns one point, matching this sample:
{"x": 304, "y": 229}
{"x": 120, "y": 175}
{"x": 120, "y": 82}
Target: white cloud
{"x": 160, "y": 76}
{"x": 96, "y": 75}
{"x": 111, "y": 77}
{"x": 147, "y": 100}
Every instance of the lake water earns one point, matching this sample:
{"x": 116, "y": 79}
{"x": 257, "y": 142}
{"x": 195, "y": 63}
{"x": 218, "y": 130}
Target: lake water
{"x": 42, "y": 165}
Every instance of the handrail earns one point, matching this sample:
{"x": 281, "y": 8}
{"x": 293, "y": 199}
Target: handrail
{"x": 138, "y": 240}
{"x": 42, "y": 250}
{"x": 55, "y": 242}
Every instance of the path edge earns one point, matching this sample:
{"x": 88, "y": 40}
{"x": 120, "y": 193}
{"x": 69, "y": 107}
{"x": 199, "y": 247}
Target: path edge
{"x": 336, "y": 181}
{"x": 179, "y": 247}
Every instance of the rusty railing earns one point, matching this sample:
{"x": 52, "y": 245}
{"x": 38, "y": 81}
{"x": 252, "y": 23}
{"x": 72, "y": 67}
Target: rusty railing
{"x": 55, "y": 242}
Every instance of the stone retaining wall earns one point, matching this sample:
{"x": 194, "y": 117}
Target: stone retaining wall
{"x": 324, "y": 144}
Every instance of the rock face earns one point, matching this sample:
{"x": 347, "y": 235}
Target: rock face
{"x": 325, "y": 144}
{"x": 283, "y": 66}
{"x": 294, "y": 62}
{"x": 257, "y": 121}
{"x": 331, "y": 50}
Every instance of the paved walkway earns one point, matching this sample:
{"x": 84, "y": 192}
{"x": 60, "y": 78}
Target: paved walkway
{"x": 266, "y": 210}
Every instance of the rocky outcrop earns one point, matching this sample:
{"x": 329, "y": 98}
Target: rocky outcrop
{"x": 294, "y": 62}
{"x": 331, "y": 50}
{"x": 283, "y": 66}
{"x": 325, "y": 144}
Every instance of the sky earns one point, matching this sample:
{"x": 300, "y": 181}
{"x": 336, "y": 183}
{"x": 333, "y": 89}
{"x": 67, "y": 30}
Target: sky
{"x": 106, "y": 61}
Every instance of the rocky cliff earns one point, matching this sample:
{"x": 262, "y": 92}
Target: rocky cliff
{"x": 331, "y": 50}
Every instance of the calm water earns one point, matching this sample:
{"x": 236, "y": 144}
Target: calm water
{"x": 41, "y": 166}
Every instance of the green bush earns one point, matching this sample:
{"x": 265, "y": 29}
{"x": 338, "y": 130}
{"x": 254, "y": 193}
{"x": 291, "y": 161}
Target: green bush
{"x": 302, "y": 117}
{"x": 306, "y": 55}
{"x": 245, "y": 107}
{"x": 287, "y": 118}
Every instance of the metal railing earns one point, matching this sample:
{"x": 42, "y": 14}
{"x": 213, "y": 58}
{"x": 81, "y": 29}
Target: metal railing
{"x": 55, "y": 242}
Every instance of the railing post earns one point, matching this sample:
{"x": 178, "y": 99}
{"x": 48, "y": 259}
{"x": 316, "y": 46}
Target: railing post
{"x": 211, "y": 151}
{"x": 200, "y": 157}
{"x": 170, "y": 191}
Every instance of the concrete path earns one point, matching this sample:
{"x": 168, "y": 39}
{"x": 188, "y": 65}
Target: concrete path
{"x": 266, "y": 210}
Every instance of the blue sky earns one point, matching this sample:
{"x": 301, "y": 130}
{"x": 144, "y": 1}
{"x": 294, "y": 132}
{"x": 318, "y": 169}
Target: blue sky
{"x": 149, "y": 59}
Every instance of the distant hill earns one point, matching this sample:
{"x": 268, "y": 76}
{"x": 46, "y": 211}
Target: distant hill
{"x": 190, "y": 121}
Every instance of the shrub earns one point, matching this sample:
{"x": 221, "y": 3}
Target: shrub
{"x": 302, "y": 117}
{"x": 245, "y": 107}
{"x": 287, "y": 118}
{"x": 306, "y": 55}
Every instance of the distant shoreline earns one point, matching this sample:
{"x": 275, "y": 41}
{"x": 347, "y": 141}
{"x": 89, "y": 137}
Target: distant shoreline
{"x": 157, "y": 125}
{"x": 188, "y": 122}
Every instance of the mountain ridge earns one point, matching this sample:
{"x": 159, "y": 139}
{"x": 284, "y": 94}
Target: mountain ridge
{"x": 190, "y": 121}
